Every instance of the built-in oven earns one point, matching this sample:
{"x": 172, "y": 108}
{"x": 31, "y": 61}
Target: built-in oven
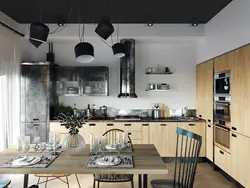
{"x": 222, "y": 107}
{"x": 222, "y": 135}
{"x": 222, "y": 83}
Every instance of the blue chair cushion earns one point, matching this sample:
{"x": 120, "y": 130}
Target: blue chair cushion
{"x": 4, "y": 183}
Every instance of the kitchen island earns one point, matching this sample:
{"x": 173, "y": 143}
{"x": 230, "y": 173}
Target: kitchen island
{"x": 160, "y": 132}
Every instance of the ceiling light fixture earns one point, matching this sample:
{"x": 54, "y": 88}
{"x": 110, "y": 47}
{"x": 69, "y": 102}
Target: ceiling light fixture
{"x": 104, "y": 29}
{"x": 38, "y": 33}
{"x": 84, "y": 51}
{"x": 118, "y": 48}
{"x": 150, "y": 23}
{"x": 195, "y": 23}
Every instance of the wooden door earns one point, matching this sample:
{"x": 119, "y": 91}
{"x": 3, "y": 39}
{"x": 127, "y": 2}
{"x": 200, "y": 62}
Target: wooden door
{"x": 240, "y": 152}
{"x": 197, "y": 128}
{"x": 210, "y": 141}
{"x": 199, "y": 91}
{"x": 222, "y": 159}
{"x": 222, "y": 63}
{"x": 145, "y": 133}
{"x": 240, "y": 90}
{"x": 163, "y": 136}
{"x": 208, "y": 93}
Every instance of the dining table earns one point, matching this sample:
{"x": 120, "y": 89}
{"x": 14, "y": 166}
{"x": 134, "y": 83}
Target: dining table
{"x": 145, "y": 157}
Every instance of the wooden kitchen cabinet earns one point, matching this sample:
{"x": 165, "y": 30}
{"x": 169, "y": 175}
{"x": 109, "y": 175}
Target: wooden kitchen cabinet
{"x": 163, "y": 136}
{"x": 222, "y": 159}
{"x": 197, "y": 128}
{"x": 240, "y": 152}
{"x": 204, "y": 90}
{"x": 209, "y": 141}
{"x": 145, "y": 133}
{"x": 222, "y": 63}
{"x": 240, "y": 89}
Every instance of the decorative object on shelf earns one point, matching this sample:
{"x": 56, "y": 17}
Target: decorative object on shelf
{"x": 74, "y": 143}
{"x": 158, "y": 70}
{"x": 158, "y": 87}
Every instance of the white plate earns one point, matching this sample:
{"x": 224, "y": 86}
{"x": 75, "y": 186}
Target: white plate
{"x": 26, "y": 161}
{"x": 108, "y": 161}
{"x": 111, "y": 147}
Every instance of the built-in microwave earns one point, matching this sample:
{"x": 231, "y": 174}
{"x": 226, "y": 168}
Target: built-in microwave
{"x": 222, "y": 82}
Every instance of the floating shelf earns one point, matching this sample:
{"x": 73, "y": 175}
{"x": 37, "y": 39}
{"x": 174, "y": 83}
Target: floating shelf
{"x": 159, "y": 72}
{"x": 159, "y": 90}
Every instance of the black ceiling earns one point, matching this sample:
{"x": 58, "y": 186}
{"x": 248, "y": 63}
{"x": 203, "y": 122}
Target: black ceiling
{"x": 120, "y": 11}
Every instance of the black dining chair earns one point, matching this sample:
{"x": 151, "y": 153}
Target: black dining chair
{"x": 188, "y": 147}
{"x": 112, "y": 136}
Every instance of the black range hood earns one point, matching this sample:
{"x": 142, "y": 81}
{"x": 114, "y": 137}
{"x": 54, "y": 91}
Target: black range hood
{"x": 127, "y": 70}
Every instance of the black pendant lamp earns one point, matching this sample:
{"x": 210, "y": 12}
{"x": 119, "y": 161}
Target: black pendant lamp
{"x": 38, "y": 33}
{"x": 105, "y": 28}
{"x": 118, "y": 48}
{"x": 84, "y": 51}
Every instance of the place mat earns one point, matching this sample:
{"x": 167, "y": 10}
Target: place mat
{"x": 44, "y": 163}
{"x": 126, "y": 162}
{"x": 126, "y": 149}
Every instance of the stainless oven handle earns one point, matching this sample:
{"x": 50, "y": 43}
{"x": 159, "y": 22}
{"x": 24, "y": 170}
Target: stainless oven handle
{"x": 222, "y": 127}
{"x": 225, "y": 103}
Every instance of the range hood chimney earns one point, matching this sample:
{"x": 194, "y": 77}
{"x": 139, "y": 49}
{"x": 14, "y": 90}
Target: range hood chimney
{"x": 127, "y": 70}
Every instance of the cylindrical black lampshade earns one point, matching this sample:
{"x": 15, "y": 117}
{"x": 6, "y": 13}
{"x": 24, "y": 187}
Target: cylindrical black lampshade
{"x": 118, "y": 50}
{"x": 104, "y": 29}
{"x": 84, "y": 52}
{"x": 38, "y": 33}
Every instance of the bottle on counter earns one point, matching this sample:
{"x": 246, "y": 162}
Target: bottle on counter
{"x": 88, "y": 111}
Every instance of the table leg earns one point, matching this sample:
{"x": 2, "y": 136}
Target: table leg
{"x": 145, "y": 181}
{"x": 25, "y": 180}
{"x": 139, "y": 181}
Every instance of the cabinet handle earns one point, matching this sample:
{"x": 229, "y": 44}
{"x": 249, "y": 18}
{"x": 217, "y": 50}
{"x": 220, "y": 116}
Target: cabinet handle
{"x": 209, "y": 126}
{"x": 234, "y": 135}
{"x": 163, "y": 125}
{"x": 200, "y": 115}
{"x": 127, "y": 124}
{"x": 209, "y": 120}
{"x": 129, "y": 133}
{"x": 234, "y": 128}
{"x": 109, "y": 124}
{"x": 36, "y": 119}
{"x": 92, "y": 124}
{"x": 191, "y": 124}
{"x": 222, "y": 152}
{"x": 145, "y": 124}
{"x": 35, "y": 124}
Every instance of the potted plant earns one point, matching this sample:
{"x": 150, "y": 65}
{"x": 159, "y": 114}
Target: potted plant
{"x": 73, "y": 142}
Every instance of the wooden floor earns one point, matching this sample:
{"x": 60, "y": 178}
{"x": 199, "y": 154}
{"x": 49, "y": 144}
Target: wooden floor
{"x": 205, "y": 178}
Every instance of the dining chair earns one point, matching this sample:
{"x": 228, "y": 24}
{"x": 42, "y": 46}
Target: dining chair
{"x": 51, "y": 177}
{"x": 4, "y": 183}
{"x": 188, "y": 147}
{"x": 112, "y": 136}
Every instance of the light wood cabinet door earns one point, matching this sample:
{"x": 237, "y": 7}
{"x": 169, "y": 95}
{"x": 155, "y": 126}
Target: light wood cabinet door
{"x": 163, "y": 136}
{"x": 145, "y": 133}
{"x": 204, "y": 90}
{"x": 222, "y": 63}
{"x": 240, "y": 90}
{"x": 240, "y": 152}
{"x": 210, "y": 142}
{"x": 222, "y": 159}
{"x": 197, "y": 128}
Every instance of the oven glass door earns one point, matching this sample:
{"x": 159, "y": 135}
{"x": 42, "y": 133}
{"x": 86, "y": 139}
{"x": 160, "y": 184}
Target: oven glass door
{"x": 222, "y": 85}
{"x": 222, "y": 136}
{"x": 222, "y": 110}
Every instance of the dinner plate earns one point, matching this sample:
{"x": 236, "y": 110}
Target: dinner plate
{"x": 26, "y": 161}
{"x": 108, "y": 161}
{"x": 111, "y": 147}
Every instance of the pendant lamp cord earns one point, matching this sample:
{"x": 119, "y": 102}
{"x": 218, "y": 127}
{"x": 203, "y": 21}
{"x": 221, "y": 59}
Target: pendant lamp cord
{"x": 117, "y": 33}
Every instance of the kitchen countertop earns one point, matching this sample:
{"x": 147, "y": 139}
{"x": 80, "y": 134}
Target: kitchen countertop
{"x": 168, "y": 119}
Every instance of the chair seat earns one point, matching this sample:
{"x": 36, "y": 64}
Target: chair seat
{"x": 52, "y": 175}
{"x": 4, "y": 183}
{"x": 162, "y": 183}
{"x": 113, "y": 177}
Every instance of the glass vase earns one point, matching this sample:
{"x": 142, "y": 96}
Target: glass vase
{"x": 74, "y": 144}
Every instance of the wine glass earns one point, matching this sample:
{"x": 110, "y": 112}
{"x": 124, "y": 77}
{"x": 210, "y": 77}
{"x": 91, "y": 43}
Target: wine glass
{"x": 104, "y": 142}
{"x": 120, "y": 142}
{"x": 19, "y": 144}
{"x": 43, "y": 147}
{"x": 36, "y": 141}
{"x": 26, "y": 144}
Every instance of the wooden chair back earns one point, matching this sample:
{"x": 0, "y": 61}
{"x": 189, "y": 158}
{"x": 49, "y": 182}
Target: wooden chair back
{"x": 188, "y": 147}
{"x": 112, "y": 136}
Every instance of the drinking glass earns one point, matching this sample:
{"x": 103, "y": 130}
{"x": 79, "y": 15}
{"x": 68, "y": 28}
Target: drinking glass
{"x": 104, "y": 142}
{"x": 54, "y": 141}
{"x": 43, "y": 147}
{"x": 36, "y": 141}
{"x": 19, "y": 144}
{"x": 26, "y": 144}
{"x": 120, "y": 142}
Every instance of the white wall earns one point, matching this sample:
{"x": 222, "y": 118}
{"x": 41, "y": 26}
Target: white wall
{"x": 228, "y": 30}
{"x": 179, "y": 55}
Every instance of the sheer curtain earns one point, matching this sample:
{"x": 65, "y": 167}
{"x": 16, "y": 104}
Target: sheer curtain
{"x": 9, "y": 87}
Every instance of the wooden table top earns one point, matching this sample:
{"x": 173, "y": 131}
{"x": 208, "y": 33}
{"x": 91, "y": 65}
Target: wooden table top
{"x": 146, "y": 161}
